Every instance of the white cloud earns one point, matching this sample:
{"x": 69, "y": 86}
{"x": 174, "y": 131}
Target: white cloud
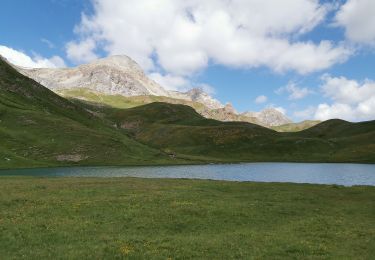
{"x": 183, "y": 36}
{"x": 179, "y": 83}
{"x": 358, "y": 19}
{"x": 261, "y": 99}
{"x": 367, "y": 108}
{"x": 170, "y": 82}
{"x": 352, "y": 100}
{"x": 294, "y": 91}
{"x": 307, "y": 113}
{"x": 48, "y": 43}
{"x": 82, "y": 51}
{"x": 19, "y": 58}
{"x": 336, "y": 110}
{"x": 206, "y": 88}
{"x": 343, "y": 90}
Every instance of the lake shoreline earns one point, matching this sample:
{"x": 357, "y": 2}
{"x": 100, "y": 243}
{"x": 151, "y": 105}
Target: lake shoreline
{"x": 124, "y": 178}
{"x": 177, "y": 164}
{"x": 317, "y": 173}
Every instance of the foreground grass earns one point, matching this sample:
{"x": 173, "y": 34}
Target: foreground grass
{"x": 157, "y": 218}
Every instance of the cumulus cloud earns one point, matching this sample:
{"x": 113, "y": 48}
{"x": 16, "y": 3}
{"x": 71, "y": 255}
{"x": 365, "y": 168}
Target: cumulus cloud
{"x": 82, "y": 51}
{"x": 170, "y": 82}
{"x": 182, "y": 36}
{"x": 346, "y": 91}
{"x": 351, "y": 100}
{"x": 178, "y": 83}
{"x": 307, "y": 113}
{"x": 336, "y": 110}
{"x": 19, "y": 58}
{"x": 358, "y": 19}
{"x": 294, "y": 91}
{"x": 261, "y": 99}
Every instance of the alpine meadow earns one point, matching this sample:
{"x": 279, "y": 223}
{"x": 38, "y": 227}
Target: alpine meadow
{"x": 160, "y": 129}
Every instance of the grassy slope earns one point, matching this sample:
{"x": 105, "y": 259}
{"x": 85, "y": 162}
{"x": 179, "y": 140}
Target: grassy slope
{"x": 178, "y": 129}
{"x": 82, "y": 218}
{"x": 296, "y": 127}
{"x": 354, "y": 141}
{"x": 122, "y": 102}
{"x": 118, "y": 101}
{"x": 39, "y": 128}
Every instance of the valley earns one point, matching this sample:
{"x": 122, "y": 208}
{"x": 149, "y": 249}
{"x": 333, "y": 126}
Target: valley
{"x": 40, "y": 128}
{"x": 153, "y": 129}
{"x": 118, "y": 81}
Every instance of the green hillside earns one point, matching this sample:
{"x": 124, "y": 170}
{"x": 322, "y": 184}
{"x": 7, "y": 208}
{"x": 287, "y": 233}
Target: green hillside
{"x": 118, "y": 101}
{"x": 296, "y": 127}
{"x": 179, "y": 131}
{"x": 40, "y": 128}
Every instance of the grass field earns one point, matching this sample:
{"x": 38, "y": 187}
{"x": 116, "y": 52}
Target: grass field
{"x": 79, "y": 218}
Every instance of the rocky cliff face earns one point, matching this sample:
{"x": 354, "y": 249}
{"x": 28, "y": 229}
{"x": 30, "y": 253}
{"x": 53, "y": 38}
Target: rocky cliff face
{"x": 226, "y": 113}
{"x": 115, "y": 75}
{"x": 120, "y": 75}
{"x": 197, "y": 95}
{"x": 269, "y": 117}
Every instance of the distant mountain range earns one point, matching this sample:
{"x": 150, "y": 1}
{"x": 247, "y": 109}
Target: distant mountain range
{"x": 40, "y": 128}
{"x": 120, "y": 75}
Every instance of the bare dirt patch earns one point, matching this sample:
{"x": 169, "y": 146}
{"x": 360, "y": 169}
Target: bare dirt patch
{"x": 70, "y": 157}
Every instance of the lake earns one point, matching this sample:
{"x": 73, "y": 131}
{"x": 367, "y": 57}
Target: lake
{"x": 316, "y": 173}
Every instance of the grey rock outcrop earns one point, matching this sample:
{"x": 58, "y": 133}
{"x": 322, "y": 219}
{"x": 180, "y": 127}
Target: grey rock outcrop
{"x": 269, "y": 117}
{"x": 115, "y": 75}
{"x": 120, "y": 75}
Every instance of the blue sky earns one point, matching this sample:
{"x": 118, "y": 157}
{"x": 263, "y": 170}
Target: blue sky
{"x": 311, "y": 59}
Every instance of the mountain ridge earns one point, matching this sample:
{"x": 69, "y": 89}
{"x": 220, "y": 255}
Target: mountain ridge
{"x": 120, "y": 75}
{"x": 39, "y": 128}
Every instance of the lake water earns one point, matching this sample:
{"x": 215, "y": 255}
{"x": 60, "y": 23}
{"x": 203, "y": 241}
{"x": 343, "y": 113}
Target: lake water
{"x": 317, "y": 173}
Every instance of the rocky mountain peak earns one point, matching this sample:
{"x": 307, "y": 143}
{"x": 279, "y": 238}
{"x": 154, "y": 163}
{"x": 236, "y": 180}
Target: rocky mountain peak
{"x": 118, "y": 62}
{"x": 229, "y": 108}
{"x": 115, "y": 75}
{"x": 120, "y": 75}
{"x": 269, "y": 117}
{"x": 200, "y": 96}
{"x": 196, "y": 92}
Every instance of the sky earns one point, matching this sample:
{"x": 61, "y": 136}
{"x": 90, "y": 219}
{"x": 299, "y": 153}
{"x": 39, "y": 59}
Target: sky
{"x": 309, "y": 59}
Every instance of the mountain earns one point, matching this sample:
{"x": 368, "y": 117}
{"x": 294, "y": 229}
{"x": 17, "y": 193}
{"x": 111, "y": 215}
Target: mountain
{"x": 115, "y": 75}
{"x": 228, "y": 114}
{"x": 112, "y": 75}
{"x": 121, "y": 76}
{"x": 197, "y": 95}
{"x": 269, "y": 117}
{"x": 183, "y": 133}
{"x": 40, "y": 128}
